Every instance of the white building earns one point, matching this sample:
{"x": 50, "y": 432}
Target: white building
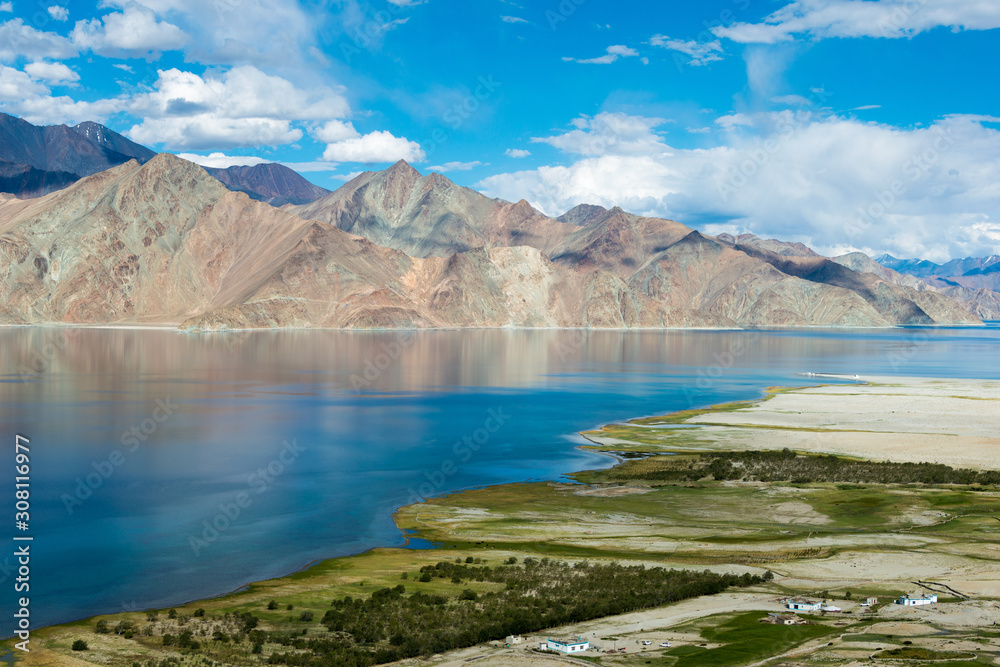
{"x": 802, "y": 604}
{"x": 568, "y": 645}
{"x": 870, "y": 602}
{"x": 913, "y": 601}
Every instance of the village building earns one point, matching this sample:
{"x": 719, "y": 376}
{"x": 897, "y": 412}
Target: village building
{"x": 870, "y": 602}
{"x": 784, "y": 619}
{"x": 803, "y": 604}
{"x": 917, "y": 600}
{"x": 566, "y": 646}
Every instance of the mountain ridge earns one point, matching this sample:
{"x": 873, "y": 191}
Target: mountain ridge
{"x": 164, "y": 242}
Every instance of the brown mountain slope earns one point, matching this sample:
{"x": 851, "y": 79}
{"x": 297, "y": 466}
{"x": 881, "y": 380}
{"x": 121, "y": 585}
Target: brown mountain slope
{"x": 896, "y": 303}
{"x": 165, "y": 242}
{"x": 429, "y": 216}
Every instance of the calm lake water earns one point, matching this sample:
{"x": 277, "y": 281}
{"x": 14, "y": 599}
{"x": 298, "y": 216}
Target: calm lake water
{"x": 299, "y": 445}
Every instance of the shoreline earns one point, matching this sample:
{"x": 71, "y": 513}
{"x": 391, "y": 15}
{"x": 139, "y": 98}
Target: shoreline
{"x": 674, "y": 418}
{"x": 765, "y": 394}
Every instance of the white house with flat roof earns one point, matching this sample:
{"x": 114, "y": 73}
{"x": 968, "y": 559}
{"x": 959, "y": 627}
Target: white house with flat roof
{"x": 802, "y": 604}
{"x": 568, "y": 645}
{"x": 916, "y": 600}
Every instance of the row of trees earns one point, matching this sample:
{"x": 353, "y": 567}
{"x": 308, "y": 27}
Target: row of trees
{"x": 392, "y": 625}
{"x": 787, "y": 466}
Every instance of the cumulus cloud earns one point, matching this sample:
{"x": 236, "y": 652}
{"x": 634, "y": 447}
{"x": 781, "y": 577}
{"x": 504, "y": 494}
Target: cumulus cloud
{"x": 609, "y": 134}
{"x": 32, "y": 100}
{"x": 698, "y": 53}
{"x": 456, "y": 166}
{"x": 242, "y": 107}
{"x": 345, "y": 144}
{"x": 51, "y": 73}
{"x": 58, "y": 13}
{"x": 6, "y": 6}
{"x": 222, "y": 161}
{"x": 374, "y": 147}
{"x": 18, "y": 39}
{"x": 613, "y": 54}
{"x": 231, "y": 32}
{"x": 516, "y": 152}
{"x": 821, "y": 19}
{"x": 834, "y": 183}
{"x": 133, "y": 31}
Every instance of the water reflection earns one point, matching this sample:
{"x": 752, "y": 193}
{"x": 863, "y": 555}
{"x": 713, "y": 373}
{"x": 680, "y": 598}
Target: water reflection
{"x": 378, "y": 416}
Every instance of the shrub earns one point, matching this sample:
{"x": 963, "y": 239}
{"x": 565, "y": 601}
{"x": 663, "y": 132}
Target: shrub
{"x": 80, "y": 645}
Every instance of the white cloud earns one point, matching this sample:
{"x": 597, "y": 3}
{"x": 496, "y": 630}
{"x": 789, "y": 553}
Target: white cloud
{"x": 513, "y": 19}
{"x": 516, "y": 152}
{"x": 242, "y": 107}
{"x": 407, "y": 3}
{"x": 18, "y": 39}
{"x": 609, "y": 134}
{"x": 51, "y": 73}
{"x": 221, "y": 160}
{"x": 821, "y": 19}
{"x": 58, "y": 13}
{"x": 317, "y": 165}
{"x": 124, "y": 67}
{"x": 334, "y": 131}
{"x": 6, "y": 6}
{"x": 866, "y": 107}
{"x": 32, "y": 100}
{"x": 456, "y": 166}
{"x": 374, "y": 147}
{"x": 133, "y": 31}
{"x": 232, "y": 32}
{"x": 699, "y": 53}
{"x": 614, "y": 52}
{"x": 834, "y": 183}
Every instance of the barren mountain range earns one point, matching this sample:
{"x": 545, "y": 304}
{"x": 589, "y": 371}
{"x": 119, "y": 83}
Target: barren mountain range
{"x": 38, "y": 160}
{"x": 164, "y": 242}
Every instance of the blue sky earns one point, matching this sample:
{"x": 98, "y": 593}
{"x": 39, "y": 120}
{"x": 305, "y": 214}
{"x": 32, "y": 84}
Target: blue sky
{"x": 846, "y": 124}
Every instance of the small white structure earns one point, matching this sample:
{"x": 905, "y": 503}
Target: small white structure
{"x": 870, "y": 602}
{"x": 568, "y": 645}
{"x": 830, "y": 608}
{"x": 784, "y": 619}
{"x": 914, "y": 601}
{"x": 802, "y": 604}
{"x": 514, "y": 639}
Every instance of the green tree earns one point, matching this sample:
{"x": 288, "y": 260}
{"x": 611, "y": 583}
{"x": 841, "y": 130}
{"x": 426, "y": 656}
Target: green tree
{"x": 80, "y": 645}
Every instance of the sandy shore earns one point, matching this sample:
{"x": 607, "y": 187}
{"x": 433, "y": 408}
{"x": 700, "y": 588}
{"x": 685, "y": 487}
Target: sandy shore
{"x": 954, "y": 422}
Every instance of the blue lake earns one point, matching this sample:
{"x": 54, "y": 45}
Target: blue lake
{"x": 168, "y": 466}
